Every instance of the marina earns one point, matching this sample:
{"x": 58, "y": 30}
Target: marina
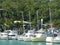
{"x": 29, "y": 22}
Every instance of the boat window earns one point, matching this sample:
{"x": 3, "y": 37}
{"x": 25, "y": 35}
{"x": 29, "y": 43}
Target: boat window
{"x": 34, "y": 36}
{"x": 43, "y": 33}
{"x": 11, "y": 35}
{"x": 37, "y": 32}
{"x": 1, "y": 34}
{"x": 31, "y": 35}
{"x": 8, "y": 31}
{"x": 5, "y": 34}
{"x": 26, "y": 35}
{"x": 55, "y": 35}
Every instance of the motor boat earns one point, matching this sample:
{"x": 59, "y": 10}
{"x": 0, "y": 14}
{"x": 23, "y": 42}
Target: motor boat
{"x": 12, "y": 34}
{"x": 3, "y": 35}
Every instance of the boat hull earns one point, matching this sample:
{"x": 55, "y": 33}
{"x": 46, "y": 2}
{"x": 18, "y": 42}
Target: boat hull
{"x": 27, "y": 39}
{"x": 53, "y": 39}
{"x": 20, "y": 38}
{"x": 3, "y": 38}
{"x": 41, "y": 39}
{"x": 12, "y": 38}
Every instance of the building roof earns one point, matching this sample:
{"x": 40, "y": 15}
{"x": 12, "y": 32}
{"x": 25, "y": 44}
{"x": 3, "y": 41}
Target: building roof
{"x": 21, "y": 22}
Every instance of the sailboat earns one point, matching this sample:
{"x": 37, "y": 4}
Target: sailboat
{"x": 30, "y": 32}
{"x": 55, "y": 36}
{"x": 20, "y": 37}
{"x": 40, "y": 33}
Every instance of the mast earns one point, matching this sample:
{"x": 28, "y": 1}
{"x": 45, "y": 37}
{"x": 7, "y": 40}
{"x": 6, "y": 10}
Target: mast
{"x": 23, "y": 20}
{"x": 30, "y": 19}
{"x": 37, "y": 20}
{"x": 50, "y": 13}
{"x": 50, "y": 17}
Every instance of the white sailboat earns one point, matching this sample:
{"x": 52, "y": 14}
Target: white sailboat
{"x": 26, "y": 36}
{"x": 30, "y": 34}
{"x": 20, "y": 37}
{"x": 55, "y": 37}
{"x": 40, "y": 34}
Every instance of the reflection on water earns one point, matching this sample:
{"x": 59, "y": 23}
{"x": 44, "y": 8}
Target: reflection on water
{"x": 16, "y": 42}
{"x": 38, "y": 43}
{"x": 8, "y": 42}
{"x": 49, "y": 43}
{"x": 52, "y": 43}
{"x": 32, "y": 43}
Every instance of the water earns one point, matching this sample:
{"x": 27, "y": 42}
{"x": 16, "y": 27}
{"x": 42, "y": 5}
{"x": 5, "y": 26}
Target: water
{"x": 16, "y": 42}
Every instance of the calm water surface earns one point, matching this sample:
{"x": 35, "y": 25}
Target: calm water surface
{"x": 16, "y": 42}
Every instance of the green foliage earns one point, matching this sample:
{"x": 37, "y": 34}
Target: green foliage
{"x": 12, "y": 11}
